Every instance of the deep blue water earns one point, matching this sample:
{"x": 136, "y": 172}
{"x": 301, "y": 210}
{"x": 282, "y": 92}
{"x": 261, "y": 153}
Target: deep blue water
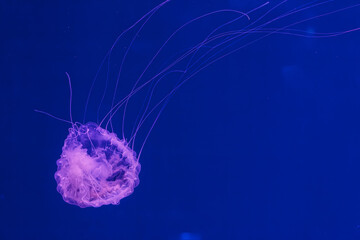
{"x": 264, "y": 144}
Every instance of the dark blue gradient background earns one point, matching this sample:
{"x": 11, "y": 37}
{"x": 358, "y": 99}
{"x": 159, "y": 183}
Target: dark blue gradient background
{"x": 264, "y": 144}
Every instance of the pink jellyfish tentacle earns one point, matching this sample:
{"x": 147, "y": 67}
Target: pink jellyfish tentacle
{"x": 108, "y": 54}
{"x": 267, "y": 32}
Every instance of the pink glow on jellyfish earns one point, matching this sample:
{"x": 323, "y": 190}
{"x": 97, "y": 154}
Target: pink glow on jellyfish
{"x": 97, "y": 167}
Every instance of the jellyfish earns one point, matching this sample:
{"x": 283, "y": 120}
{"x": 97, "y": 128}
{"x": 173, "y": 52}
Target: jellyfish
{"x": 99, "y": 167}
{"x": 96, "y": 167}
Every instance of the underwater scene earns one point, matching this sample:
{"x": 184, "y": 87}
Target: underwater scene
{"x": 180, "y": 120}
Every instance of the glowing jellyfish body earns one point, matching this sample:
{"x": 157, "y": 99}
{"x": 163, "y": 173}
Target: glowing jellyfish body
{"x": 96, "y": 168}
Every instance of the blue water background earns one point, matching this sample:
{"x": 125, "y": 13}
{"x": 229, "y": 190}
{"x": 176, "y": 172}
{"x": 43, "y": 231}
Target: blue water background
{"x": 264, "y": 144}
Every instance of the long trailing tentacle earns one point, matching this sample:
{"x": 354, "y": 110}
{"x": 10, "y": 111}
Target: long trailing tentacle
{"x": 231, "y": 37}
{"x": 293, "y": 32}
{"x": 108, "y": 54}
{"x": 135, "y": 88}
{"x": 70, "y": 100}
{"x": 70, "y": 106}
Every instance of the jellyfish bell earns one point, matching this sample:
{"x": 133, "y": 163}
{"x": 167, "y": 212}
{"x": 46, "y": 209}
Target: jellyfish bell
{"x": 96, "y": 167}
